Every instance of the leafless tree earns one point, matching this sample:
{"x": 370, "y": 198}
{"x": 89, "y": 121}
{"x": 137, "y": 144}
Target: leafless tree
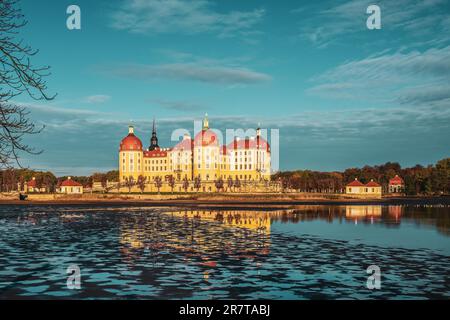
{"x": 171, "y": 182}
{"x": 158, "y": 182}
{"x": 17, "y": 76}
{"x": 129, "y": 183}
{"x": 141, "y": 183}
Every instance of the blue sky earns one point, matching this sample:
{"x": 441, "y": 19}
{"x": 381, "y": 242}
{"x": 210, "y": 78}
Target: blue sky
{"x": 340, "y": 94}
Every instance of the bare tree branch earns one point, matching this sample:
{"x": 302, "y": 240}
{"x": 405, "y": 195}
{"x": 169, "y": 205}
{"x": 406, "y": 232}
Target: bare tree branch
{"x": 17, "y": 76}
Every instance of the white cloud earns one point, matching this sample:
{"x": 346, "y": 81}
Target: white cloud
{"x": 406, "y": 77}
{"x": 179, "y": 105}
{"x": 215, "y": 74}
{"x": 419, "y": 21}
{"x": 187, "y": 17}
{"x": 98, "y": 98}
{"x": 85, "y": 142}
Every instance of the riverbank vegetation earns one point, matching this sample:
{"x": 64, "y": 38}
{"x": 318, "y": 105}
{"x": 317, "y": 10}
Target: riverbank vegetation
{"x": 419, "y": 180}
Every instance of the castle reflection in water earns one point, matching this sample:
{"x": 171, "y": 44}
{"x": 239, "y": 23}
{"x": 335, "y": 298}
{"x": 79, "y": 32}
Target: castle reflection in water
{"x": 207, "y": 235}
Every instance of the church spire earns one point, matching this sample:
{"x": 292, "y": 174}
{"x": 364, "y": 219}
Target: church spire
{"x": 205, "y": 122}
{"x": 154, "y": 138}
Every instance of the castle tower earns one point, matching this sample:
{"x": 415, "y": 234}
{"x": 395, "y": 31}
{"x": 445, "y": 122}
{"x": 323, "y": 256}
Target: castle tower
{"x": 130, "y": 156}
{"x": 154, "y": 138}
{"x": 205, "y": 122}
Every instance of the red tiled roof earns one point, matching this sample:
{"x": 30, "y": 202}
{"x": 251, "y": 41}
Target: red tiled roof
{"x": 70, "y": 183}
{"x": 249, "y": 144}
{"x": 372, "y": 184}
{"x": 32, "y": 183}
{"x": 131, "y": 143}
{"x": 206, "y": 138}
{"x": 156, "y": 153}
{"x": 184, "y": 145}
{"x": 396, "y": 180}
{"x": 355, "y": 183}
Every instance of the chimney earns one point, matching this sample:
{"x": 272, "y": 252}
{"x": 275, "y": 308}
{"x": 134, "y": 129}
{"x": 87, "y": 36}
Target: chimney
{"x": 68, "y": 178}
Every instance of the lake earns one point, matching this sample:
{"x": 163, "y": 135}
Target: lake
{"x": 307, "y": 252}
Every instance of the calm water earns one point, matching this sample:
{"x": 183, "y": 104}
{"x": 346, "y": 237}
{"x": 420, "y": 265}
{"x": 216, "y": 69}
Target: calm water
{"x": 311, "y": 252}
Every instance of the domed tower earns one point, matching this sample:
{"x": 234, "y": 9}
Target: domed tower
{"x": 130, "y": 157}
{"x": 206, "y": 153}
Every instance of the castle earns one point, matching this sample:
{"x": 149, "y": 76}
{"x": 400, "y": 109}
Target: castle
{"x": 201, "y": 159}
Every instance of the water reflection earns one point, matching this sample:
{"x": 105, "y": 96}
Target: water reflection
{"x": 199, "y": 235}
{"x": 306, "y": 252}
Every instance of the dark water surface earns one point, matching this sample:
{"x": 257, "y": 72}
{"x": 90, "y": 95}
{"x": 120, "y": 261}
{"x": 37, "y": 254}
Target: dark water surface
{"x": 311, "y": 252}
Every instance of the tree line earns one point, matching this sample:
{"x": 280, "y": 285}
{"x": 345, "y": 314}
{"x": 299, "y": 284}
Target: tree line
{"x": 419, "y": 180}
{"x": 11, "y": 179}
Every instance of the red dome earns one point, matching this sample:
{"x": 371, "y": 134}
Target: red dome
{"x": 206, "y": 138}
{"x": 131, "y": 143}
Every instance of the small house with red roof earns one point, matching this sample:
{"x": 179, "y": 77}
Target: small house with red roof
{"x": 359, "y": 189}
{"x": 396, "y": 185}
{"x": 32, "y": 186}
{"x": 70, "y": 186}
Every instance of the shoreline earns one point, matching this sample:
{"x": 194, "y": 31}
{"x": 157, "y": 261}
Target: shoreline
{"x": 230, "y": 203}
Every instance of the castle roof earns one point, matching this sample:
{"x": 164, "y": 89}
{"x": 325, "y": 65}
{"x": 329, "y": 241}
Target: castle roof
{"x": 156, "y": 153}
{"x": 131, "y": 143}
{"x": 184, "y": 145}
{"x": 206, "y": 138}
{"x": 249, "y": 143}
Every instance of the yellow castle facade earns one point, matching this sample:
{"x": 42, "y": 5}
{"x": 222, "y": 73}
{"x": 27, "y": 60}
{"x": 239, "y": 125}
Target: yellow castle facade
{"x": 194, "y": 164}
